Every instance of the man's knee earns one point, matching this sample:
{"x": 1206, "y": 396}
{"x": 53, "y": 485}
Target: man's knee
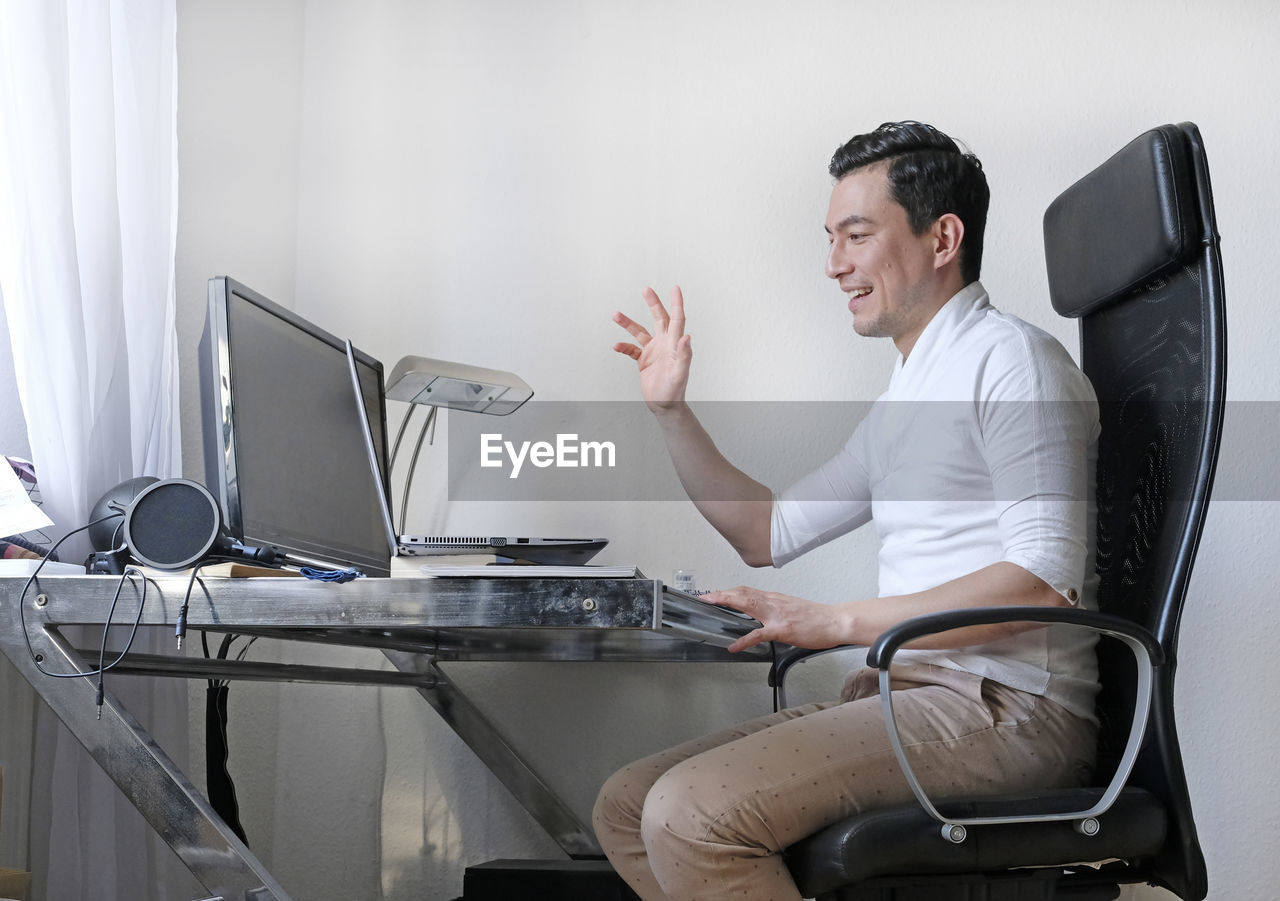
{"x": 687, "y": 806}
{"x": 665, "y": 815}
{"x": 620, "y": 800}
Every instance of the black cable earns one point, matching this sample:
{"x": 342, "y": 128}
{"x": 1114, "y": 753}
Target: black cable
{"x": 204, "y": 642}
{"x": 773, "y": 668}
{"x": 100, "y": 692}
{"x": 180, "y": 629}
{"x": 244, "y": 651}
{"x": 218, "y": 783}
{"x": 227, "y": 639}
{"x": 103, "y": 666}
{"x": 129, "y": 573}
{"x": 223, "y": 651}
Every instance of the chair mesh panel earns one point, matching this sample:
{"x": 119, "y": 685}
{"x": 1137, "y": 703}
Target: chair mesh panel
{"x": 1147, "y": 361}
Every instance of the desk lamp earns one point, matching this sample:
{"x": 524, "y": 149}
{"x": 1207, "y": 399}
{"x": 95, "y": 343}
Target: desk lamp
{"x": 421, "y": 381}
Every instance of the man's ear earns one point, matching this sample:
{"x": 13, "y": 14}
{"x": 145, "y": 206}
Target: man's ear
{"x": 948, "y": 233}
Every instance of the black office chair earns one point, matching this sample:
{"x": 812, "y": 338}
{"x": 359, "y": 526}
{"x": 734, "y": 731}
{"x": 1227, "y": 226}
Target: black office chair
{"x": 1133, "y": 252}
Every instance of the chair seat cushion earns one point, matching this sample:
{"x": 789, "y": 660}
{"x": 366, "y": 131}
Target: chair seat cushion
{"x": 905, "y": 839}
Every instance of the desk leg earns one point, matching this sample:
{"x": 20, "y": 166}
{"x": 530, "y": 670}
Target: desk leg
{"x": 483, "y": 738}
{"x": 127, "y": 753}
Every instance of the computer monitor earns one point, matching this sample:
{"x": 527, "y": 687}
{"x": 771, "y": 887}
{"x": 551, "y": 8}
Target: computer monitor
{"x": 283, "y": 447}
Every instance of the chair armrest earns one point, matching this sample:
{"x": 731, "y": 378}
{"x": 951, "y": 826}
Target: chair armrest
{"x": 881, "y": 651}
{"x": 888, "y": 643}
{"x": 787, "y": 657}
{"x": 1147, "y": 654}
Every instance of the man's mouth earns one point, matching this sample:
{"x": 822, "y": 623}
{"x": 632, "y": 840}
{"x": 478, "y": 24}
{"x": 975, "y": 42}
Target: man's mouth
{"x": 855, "y": 298}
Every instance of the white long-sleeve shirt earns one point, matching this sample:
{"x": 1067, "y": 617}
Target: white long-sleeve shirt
{"x": 981, "y": 450}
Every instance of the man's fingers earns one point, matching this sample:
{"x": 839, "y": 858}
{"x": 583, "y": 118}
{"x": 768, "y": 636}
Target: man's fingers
{"x": 662, "y": 320}
{"x": 659, "y": 312}
{"x": 749, "y": 640}
{"x": 741, "y": 598}
{"x": 728, "y": 597}
{"x": 638, "y": 331}
{"x": 629, "y": 349}
{"x": 676, "y": 317}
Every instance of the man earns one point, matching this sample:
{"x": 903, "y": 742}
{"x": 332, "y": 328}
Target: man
{"x": 974, "y": 464}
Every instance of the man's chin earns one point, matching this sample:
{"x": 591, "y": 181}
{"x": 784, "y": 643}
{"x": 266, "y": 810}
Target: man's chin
{"x": 867, "y": 328}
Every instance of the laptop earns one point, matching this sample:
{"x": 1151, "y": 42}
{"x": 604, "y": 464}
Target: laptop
{"x": 548, "y": 551}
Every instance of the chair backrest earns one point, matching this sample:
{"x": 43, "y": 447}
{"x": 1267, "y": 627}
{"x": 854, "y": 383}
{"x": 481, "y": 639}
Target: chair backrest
{"x": 1133, "y": 252}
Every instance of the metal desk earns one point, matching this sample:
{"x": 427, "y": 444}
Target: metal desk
{"x": 417, "y": 623}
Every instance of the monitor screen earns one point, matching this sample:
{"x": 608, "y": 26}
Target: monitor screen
{"x": 283, "y": 448}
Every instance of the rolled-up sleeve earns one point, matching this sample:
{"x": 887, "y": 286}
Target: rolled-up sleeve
{"x": 833, "y": 499}
{"x": 1039, "y": 432}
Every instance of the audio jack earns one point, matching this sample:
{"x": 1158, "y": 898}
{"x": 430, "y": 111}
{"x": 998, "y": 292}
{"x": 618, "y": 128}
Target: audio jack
{"x": 181, "y": 627}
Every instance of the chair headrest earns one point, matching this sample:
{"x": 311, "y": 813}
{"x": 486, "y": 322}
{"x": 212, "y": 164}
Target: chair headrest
{"x": 1127, "y": 222}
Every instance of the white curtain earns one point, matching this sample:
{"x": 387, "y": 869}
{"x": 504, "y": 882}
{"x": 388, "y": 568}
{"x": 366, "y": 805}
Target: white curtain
{"x": 88, "y": 220}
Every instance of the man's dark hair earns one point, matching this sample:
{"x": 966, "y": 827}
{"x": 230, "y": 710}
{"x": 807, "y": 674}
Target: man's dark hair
{"x": 929, "y": 176}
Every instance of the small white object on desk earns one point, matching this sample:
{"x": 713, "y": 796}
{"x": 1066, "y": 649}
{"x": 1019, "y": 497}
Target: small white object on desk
{"x": 685, "y": 580}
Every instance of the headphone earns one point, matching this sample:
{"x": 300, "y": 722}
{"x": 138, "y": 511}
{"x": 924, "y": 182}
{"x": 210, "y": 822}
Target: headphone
{"x": 165, "y": 524}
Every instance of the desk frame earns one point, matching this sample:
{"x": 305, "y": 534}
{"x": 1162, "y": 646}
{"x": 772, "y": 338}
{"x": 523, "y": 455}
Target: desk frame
{"x": 417, "y": 623}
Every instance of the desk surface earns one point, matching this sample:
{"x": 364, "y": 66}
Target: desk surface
{"x": 418, "y": 623}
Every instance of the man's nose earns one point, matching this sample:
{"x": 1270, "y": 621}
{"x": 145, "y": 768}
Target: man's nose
{"x": 837, "y": 261}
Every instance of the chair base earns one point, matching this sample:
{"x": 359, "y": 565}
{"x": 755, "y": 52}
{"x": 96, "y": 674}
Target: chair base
{"x": 544, "y": 880}
{"x": 595, "y": 880}
{"x": 1012, "y": 886}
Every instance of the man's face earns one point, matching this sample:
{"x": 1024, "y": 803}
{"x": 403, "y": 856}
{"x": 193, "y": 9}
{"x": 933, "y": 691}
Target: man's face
{"x": 885, "y": 269}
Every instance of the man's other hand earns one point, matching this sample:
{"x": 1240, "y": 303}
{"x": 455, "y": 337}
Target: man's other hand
{"x": 795, "y": 621}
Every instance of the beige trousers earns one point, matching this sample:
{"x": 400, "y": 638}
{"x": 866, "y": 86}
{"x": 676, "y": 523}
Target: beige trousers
{"x": 707, "y": 819}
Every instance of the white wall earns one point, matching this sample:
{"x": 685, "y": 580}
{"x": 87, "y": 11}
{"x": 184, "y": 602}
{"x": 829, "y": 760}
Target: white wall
{"x": 488, "y": 181}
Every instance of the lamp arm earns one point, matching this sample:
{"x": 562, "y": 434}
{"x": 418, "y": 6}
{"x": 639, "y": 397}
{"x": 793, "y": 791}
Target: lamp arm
{"x": 395, "y": 446}
{"x": 427, "y": 423}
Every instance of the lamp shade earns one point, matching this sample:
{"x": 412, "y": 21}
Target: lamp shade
{"x": 457, "y": 386}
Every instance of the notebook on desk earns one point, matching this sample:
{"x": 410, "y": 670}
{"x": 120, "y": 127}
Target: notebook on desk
{"x": 551, "y": 551}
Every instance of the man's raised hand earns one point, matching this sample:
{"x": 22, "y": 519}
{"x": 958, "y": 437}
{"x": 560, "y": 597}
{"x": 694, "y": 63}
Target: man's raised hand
{"x": 663, "y": 356}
